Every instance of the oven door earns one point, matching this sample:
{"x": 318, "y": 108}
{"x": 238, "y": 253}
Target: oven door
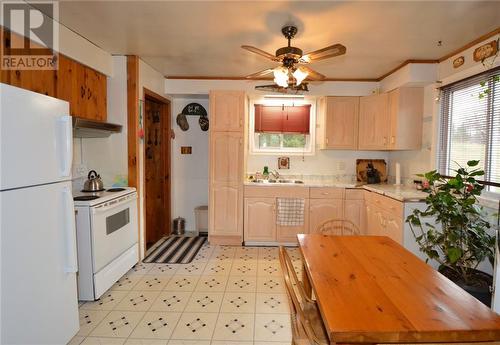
{"x": 114, "y": 229}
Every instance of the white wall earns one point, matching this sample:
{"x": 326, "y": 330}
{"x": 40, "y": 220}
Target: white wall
{"x": 108, "y": 156}
{"x": 189, "y": 172}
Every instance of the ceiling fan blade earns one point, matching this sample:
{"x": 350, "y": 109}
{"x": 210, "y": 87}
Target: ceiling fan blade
{"x": 324, "y": 53}
{"x": 260, "y": 52}
{"x": 260, "y": 74}
{"x": 312, "y": 74}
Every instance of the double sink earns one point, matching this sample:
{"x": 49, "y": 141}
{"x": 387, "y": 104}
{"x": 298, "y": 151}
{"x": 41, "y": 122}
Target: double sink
{"x": 278, "y": 181}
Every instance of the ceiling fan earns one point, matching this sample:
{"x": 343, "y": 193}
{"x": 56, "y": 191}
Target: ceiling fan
{"x": 292, "y": 71}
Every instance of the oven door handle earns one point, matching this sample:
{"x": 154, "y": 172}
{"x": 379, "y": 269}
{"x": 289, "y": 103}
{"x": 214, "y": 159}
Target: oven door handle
{"x": 71, "y": 262}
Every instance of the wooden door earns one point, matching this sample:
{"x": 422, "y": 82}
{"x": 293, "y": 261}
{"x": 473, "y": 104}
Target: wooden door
{"x": 156, "y": 171}
{"x": 226, "y": 160}
{"x": 227, "y": 111}
{"x": 260, "y": 219}
{"x": 321, "y": 210}
{"x": 341, "y": 123}
{"x": 225, "y": 218}
{"x": 374, "y": 124}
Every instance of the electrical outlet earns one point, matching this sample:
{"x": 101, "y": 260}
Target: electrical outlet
{"x": 341, "y": 166}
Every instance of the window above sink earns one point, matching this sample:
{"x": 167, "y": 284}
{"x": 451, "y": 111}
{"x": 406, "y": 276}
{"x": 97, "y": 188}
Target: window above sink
{"x": 282, "y": 125}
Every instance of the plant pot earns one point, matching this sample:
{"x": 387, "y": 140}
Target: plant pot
{"x": 481, "y": 290}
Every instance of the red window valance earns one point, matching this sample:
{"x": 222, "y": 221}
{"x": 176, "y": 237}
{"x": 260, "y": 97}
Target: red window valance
{"x": 282, "y": 119}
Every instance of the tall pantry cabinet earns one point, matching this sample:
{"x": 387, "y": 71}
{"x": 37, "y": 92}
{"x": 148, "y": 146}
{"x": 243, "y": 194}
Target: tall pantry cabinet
{"x": 226, "y": 171}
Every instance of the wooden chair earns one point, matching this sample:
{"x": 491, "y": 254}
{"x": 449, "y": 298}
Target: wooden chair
{"x": 340, "y": 227}
{"x": 307, "y": 325}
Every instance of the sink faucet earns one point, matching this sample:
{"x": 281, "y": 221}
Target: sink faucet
{"x": 275, "y": 174}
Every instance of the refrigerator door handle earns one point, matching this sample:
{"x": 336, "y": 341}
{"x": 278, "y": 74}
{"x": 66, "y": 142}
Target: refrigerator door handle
{"x": 71, "y": 263}
{"x": 65, "y": 143}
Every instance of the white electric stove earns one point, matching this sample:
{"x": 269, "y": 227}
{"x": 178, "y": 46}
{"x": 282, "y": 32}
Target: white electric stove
{"x": 107, "y": 238}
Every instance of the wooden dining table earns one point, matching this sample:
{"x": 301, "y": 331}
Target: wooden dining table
{"x": 370, "y": 289}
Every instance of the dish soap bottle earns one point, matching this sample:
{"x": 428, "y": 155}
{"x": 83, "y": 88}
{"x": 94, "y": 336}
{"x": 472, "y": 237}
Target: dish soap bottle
{"x": 265, "y": 173}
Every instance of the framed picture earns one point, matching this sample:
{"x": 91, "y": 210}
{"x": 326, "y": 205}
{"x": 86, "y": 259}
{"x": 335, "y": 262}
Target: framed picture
{"x": 485, "y": 51}
{"x": 284, "y": 163}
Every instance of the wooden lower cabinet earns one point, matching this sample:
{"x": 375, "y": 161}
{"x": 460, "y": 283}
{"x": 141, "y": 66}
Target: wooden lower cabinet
{"x": 260, "y": 219}
{"x": 381, "y": 220}
{"x": 354, "y": 212}
{"x": 226, "y": 217}
{"x": 320, "y": 210}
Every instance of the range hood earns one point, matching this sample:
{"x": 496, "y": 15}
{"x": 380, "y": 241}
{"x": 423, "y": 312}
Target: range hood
{"x": 83, "y": 128}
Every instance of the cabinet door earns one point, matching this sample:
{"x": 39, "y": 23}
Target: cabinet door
{"x": 260, "y": 219}
{"x": 341, "y": 123}
{"x": 66, "y": 83}
{"x": 321, "y": 210}
{"x": 393, "y": 227}
{"x": 225, "y": 214}
{"x": 95, "y": 95}
{"x": 373, "y": 122}
{"x": 227, "y": 109}
{"x": 405, "y": 113}
{"x": 375, "y": 220}
{"x": 226, "y": 157}
{"x": 42, "y": 81}
{"x": 354, "y": 212}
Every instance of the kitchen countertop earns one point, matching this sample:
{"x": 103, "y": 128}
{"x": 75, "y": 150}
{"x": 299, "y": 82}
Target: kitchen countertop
{"x": 401, "y": 193}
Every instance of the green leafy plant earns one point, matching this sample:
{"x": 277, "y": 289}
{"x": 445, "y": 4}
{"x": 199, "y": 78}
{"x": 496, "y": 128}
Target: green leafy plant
{"x": 487, "y": 90}
{"x": 459, "y": 239}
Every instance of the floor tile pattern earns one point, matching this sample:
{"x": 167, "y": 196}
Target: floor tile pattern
{"x": 226, "y": 296}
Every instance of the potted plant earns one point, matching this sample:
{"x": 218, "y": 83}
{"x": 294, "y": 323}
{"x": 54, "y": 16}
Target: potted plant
{"x": 458, "y": 240}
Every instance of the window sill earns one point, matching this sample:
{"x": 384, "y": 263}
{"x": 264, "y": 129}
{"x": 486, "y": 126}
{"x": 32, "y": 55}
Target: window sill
{"x": 280, "y": 153}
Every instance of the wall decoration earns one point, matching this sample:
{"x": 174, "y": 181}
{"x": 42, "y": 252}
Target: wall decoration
{"x": 186, "y": 150}
{"x": 459, "y": 61}
{"x": 194, "y": 109}
{"x": 485, "y": 51}
{"x": 204, "y": 124}
{"x": 283, "y": 162}
{"x": 182, "y": 122}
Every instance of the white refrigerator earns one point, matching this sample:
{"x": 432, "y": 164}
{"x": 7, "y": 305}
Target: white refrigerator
{"x": 39, "y": 303}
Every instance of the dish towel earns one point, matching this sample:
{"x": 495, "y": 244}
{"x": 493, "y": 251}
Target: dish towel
{"x": 290, "y": 212}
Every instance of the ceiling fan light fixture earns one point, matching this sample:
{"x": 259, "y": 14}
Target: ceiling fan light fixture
{"x": 281, "y": 76}
{"x": 300, "y": 74}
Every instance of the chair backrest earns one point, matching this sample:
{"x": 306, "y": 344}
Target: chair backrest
{"x": 340, "y": 227}
{"x": 302, "y": 330}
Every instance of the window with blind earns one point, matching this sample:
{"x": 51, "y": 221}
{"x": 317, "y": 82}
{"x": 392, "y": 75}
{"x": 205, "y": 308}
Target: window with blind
{"x": 281, "y": 127}
{"x": 470, "y": 126}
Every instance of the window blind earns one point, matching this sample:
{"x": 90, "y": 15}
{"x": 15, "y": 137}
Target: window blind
{"x": 470, "y": 125}
{"x": 282, "y": 119}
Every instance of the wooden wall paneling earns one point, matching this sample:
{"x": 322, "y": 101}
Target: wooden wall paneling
{"x": 133, "y": 120}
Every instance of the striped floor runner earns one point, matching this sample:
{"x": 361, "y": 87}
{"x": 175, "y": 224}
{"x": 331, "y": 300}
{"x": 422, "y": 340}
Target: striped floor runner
{"x": 176, "y": 250}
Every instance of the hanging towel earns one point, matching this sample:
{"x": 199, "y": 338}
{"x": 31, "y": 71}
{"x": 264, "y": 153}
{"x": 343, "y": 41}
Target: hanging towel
{"x": 290, "y": 212}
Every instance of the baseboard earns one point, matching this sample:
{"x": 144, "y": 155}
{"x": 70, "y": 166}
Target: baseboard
{"x": 225, "y": 240}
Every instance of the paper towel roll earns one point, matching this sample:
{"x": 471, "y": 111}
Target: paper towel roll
{"x": 398, "y": 174}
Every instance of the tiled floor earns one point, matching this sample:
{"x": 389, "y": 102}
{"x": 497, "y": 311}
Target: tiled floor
{"x": 227, "y": 295}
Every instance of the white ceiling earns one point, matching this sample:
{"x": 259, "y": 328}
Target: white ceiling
{"x": 187, "y": 38}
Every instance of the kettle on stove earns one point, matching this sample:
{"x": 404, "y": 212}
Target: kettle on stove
{"x": 93, "y": 183}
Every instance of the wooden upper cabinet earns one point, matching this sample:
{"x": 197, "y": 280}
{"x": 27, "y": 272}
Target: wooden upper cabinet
{"x": 406, "y": 116}
{"x": 374, "y": 124}
{"x": 84, "y": 88}
{"x": 260, "y": 219}
{"x": 227, "y": 111}
{"x": 226, "y": 157}
{"x": 340, "y": 120}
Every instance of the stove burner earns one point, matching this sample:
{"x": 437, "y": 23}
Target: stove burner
{"x": 92, "y": 191}
{"x": 85, "y": 197}
{"x": 116, "y": 189}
